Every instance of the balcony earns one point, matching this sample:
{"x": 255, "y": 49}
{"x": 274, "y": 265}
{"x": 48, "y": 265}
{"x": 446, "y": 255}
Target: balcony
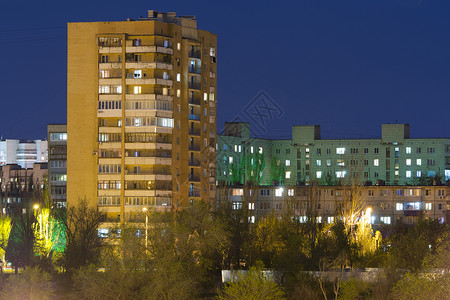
{"x": 109, "y": 49}
{"x": 194, "y": 101}
{"x": 194, "y": 132}
{"x": 195, "y": 54}
{"x": 194, "y": 70}
{"x": 195, "y": 86}
{"x": 194, "y": 117}
{"x": 194, "y": 178}
{"x": 156, "y": 64}
{"x": 194, "y": 148}
{"x": 194, "y": 163}
{"x": 152, "y": 81}
{"x": 148, "y": 49}
{"x": 151, "y": 96}
{"x": 194, "y": 193}
{"x": 109, "y": 65}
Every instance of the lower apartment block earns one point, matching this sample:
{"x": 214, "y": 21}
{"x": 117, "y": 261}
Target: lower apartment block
{"x": 383, "y": 205}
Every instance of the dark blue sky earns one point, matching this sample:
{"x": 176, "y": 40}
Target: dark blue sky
{"x": 347, "y": 65}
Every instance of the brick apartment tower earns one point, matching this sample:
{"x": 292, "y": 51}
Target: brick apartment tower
{"x": 141, "y": 114}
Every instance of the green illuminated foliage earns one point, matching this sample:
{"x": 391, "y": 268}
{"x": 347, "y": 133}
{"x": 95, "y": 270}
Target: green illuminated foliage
{"x": 5, "y": 229}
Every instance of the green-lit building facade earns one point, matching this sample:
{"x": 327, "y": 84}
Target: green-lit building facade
{"x": 393, "y": 159}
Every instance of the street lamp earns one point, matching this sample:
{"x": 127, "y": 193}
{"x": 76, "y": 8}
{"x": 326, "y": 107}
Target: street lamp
{"x": 146, "y": 225}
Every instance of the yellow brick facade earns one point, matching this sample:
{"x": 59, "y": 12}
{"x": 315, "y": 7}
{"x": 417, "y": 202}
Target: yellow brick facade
{"x": 141, "y": 114}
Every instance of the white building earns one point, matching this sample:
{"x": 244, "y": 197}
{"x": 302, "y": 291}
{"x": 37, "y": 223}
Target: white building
{"x": 23, "y": 152}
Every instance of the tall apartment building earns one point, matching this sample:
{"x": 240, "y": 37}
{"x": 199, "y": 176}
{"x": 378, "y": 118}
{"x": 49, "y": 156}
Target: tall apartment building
{"x": 25, "y": 153}
{"x": 141, "y": 113}
{"x": 393, "y": 159}
{"x": 57, "y": 163}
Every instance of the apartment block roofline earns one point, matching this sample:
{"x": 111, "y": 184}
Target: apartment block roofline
{"x": 390, "y": 132}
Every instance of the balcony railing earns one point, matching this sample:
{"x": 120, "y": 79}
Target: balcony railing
{"x": 195, "y": 86}
{"x": 194, "y": 148}
{"x": 194, "y": 178}
{"x": 195, "y": 101}
{"x": 195, "y": 70}
{"x": 195, "y": 54}
{"x": 194, "y": 162}
{"x": 194, "y": 117}
{"x": 147, "y": 172}
{"x": 194, "y": 193}
{"x": 194, "y": 132}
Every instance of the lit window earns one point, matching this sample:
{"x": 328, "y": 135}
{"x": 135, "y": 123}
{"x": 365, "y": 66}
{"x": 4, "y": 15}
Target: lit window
{"x": 419, "y": 161}
{"x": 319, "y": 162}
{"x": 328, "y": 162}
{"x": 137, "y": 90}
{"x": 385, "y": 220}
{"x": 319, "y": 174}
{"x": 408, "y": 162}
{"x": 290, "y": 192}
{"x": 240, "y": 148}
{"x": 288, "y": 174}
{"x": 230, "y": 159}
{"x": 408, "y": 150}
{"x": 137, "y": 73}
{"x": 340, "y": 150}
{"x": 408, "y": 174}
{"x": 428, "y": 206}
{"x": 238, "y": 192}
{"x": 399, "y": 206}
{"x": 251, "y": 206}
{"x": 419, "y": 174}
{"x": 288, "y": 162}
{"x": 178, "y": 93}
{"x": 178, "y": 77}
{"x": 376, "y": 162}
{"x": 340, "y": 162}
{"x": 205, "y": 96}
{"x": 319, "y": 219}
{"x": 330, "y": 220}
{"x": 279, "y": 192}
{"x": 260, "y": 150}
{"x": 235, "y": 148}
{"x": 211, "y": 96}
{"x": 251, "y": 149}
{"x": 340, "y": 174}
{"x": 178, "y": 46}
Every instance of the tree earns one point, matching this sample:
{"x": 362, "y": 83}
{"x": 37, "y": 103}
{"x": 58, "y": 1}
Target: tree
{"x": 32, "y": 284}
{"x": 277, "y": 171}
{"x": 83, "y": 243}
{"x": 124, "y": 275}
{"x": 21, "y": 243}
{"x": 5, "y": 229}
{"x": 255, "y": 285}
{"x": 185, "y": 248}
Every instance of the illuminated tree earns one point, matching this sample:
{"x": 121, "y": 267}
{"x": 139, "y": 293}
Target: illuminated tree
{"x": 5, "y": 229}
{"x": 277, "y": 171}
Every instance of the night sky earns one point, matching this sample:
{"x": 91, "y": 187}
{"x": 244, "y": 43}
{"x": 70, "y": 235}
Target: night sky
{"x": 347, "y": 65}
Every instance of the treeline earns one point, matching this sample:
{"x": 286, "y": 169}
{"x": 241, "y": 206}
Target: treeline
{"x": 180, "y": 255}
